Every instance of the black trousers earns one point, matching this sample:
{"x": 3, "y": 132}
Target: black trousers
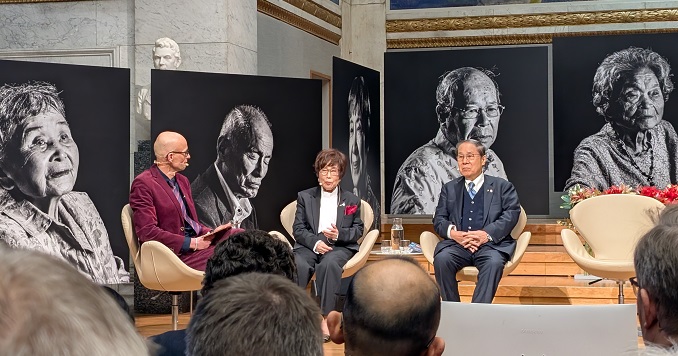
{"x": 451, "y": 259}
{"x": 327, "y": 268}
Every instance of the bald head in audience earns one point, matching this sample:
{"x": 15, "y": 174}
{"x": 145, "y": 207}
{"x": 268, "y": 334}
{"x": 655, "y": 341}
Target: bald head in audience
{"x": 48, "y": 308}
{"x": 656, "y": 263}
{"x": 392, "y": 308}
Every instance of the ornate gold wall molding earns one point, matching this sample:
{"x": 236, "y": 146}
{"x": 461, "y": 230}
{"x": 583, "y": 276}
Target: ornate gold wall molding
{"x": 539, "y": 38}
{"x": 317, "y": 11}
{"x": 531, "y": 20}
{"x": 31, "y": 1}
{"x": 297, "y": 21}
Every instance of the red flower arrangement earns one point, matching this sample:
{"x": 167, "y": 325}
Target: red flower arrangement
{"x": 576, "y": 194}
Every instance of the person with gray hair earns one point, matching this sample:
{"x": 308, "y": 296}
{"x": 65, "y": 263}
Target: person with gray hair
{"x": 255, "y": 314}
{"x": 656, "y": 285}
{"x": 48, "y": 308}
{"x": 636, "y": 146}
{"x": 468, "y": 107}
{"x": 392, "y": 308}
{"x": 39, "y": 161}
{"x": 244, "y": 148}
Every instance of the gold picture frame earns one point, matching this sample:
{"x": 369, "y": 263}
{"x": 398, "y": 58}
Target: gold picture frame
{"x": 518, "y": 21}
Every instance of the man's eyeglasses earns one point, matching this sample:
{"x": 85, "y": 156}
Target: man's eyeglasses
{"x": 185, "y": 153}
{"x": 635, "y": 285}
{"x": 331, "y": 172}
{"x": 469, "y": 157}
{"x": 472, "y": 112}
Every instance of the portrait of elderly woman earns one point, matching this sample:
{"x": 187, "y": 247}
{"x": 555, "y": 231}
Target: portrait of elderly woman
{"x": 359, "y": 111}
{"x": 635, "y": 146}
{"x": 38, "y": 169}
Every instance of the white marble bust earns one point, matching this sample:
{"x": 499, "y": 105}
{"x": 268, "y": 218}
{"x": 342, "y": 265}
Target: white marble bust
{"x": 166, "y": 56}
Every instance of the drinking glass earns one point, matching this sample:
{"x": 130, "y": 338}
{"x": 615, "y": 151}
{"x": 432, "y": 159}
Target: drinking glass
{"x": 385, "y": 246}
{"x": 405, "y": 246}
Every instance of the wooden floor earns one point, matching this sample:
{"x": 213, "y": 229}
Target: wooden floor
{"x": 544, "y": 276}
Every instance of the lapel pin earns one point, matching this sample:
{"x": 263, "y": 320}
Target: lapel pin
{"x": 489, "y": 190}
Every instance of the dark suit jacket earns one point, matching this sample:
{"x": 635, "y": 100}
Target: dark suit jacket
{"x": 501, "y": 210}
{"x": 157, "y": 213}
{"x": 211, "y": 202}
{"x": 307, "y": 219}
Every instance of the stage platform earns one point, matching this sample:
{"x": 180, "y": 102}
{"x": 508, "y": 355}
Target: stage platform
{"x": 544, "y": 276}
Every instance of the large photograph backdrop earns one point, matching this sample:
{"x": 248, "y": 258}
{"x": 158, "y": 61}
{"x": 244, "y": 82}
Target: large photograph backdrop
{"x": 356, "y": 129}
{"x": 411, "y": 121}
{"x": 45, "y": 154}
{"x": 604, "y": 160}
{"x": 196, "y": 105}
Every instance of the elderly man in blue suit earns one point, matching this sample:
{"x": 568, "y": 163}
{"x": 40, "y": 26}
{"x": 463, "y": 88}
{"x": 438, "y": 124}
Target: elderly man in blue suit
{"x": 475, "y": 216}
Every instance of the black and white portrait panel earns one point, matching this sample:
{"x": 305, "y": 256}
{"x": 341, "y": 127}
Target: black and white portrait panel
{"x": 64, "y": 163}
{"x": 614, "y": 114}
{"x": 434, "y": 99}
{"x": 252, "y": 141}
{"x": 356, "y": 131}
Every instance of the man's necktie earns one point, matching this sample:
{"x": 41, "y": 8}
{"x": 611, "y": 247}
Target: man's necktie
{"x": 471, "y": 191}
{"x": 177, "y": 194}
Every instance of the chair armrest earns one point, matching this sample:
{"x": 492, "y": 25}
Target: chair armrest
{"x": 428, "y": 241}
{"x": 521, "y": 246}
{"x": 359, "y": 259}
{"x": 166, "y": 271}
{"x": 573, "y": 245}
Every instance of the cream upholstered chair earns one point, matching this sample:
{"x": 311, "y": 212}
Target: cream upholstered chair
{"x": 366, "y": 242}
{"x": 158, "y": 267}
{"x": 429, "y": 241}
{"x": 612, "y": 225}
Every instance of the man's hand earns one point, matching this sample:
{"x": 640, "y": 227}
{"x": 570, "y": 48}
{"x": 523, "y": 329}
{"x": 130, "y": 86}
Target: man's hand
{"x": 331, "y": 233}
{"x": 322, "y": 248}
{"x": 475, "y": 238}
{"x": 201, "y": 243}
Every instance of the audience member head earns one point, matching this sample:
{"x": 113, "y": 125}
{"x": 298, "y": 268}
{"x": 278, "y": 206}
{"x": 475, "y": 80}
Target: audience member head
{"x": 656, "y": 264}
{"x": 249, "y": 251}
{"x": 244, "y": 150}
{"x": 255, "y": 314}
{"x": 48, "y": 308}
{"x": 668, "y": 215}
{"x": 120, "y": 301}
{"x": 392, "y": 308}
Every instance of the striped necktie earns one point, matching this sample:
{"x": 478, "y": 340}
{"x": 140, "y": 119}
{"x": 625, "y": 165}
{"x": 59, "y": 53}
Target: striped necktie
{"x": 471, "y": 191}
{"x": 177, "y": 194}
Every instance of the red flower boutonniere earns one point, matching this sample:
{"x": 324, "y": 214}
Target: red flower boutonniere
{"x": 350, "y": 209}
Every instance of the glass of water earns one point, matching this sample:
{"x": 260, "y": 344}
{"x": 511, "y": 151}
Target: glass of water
{"x": 385, "y": 246}
{"x": 405, "y": 246}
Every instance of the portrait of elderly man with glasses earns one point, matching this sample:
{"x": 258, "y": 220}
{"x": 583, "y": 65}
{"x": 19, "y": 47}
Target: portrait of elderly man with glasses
{"x": 244, "y": 150}
{"x": 468, "y": 107}
{"x": 636, "y": 146}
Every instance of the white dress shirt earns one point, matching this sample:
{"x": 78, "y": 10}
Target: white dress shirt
{"x": 328, "y": 211}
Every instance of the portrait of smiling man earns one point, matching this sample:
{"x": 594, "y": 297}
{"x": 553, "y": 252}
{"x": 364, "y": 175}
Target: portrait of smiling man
{"x": 223, "y": 191}
{"x": 468, "y": 107}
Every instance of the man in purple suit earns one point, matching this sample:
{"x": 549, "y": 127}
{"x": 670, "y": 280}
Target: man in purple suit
{"x": 163, "y": 208}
